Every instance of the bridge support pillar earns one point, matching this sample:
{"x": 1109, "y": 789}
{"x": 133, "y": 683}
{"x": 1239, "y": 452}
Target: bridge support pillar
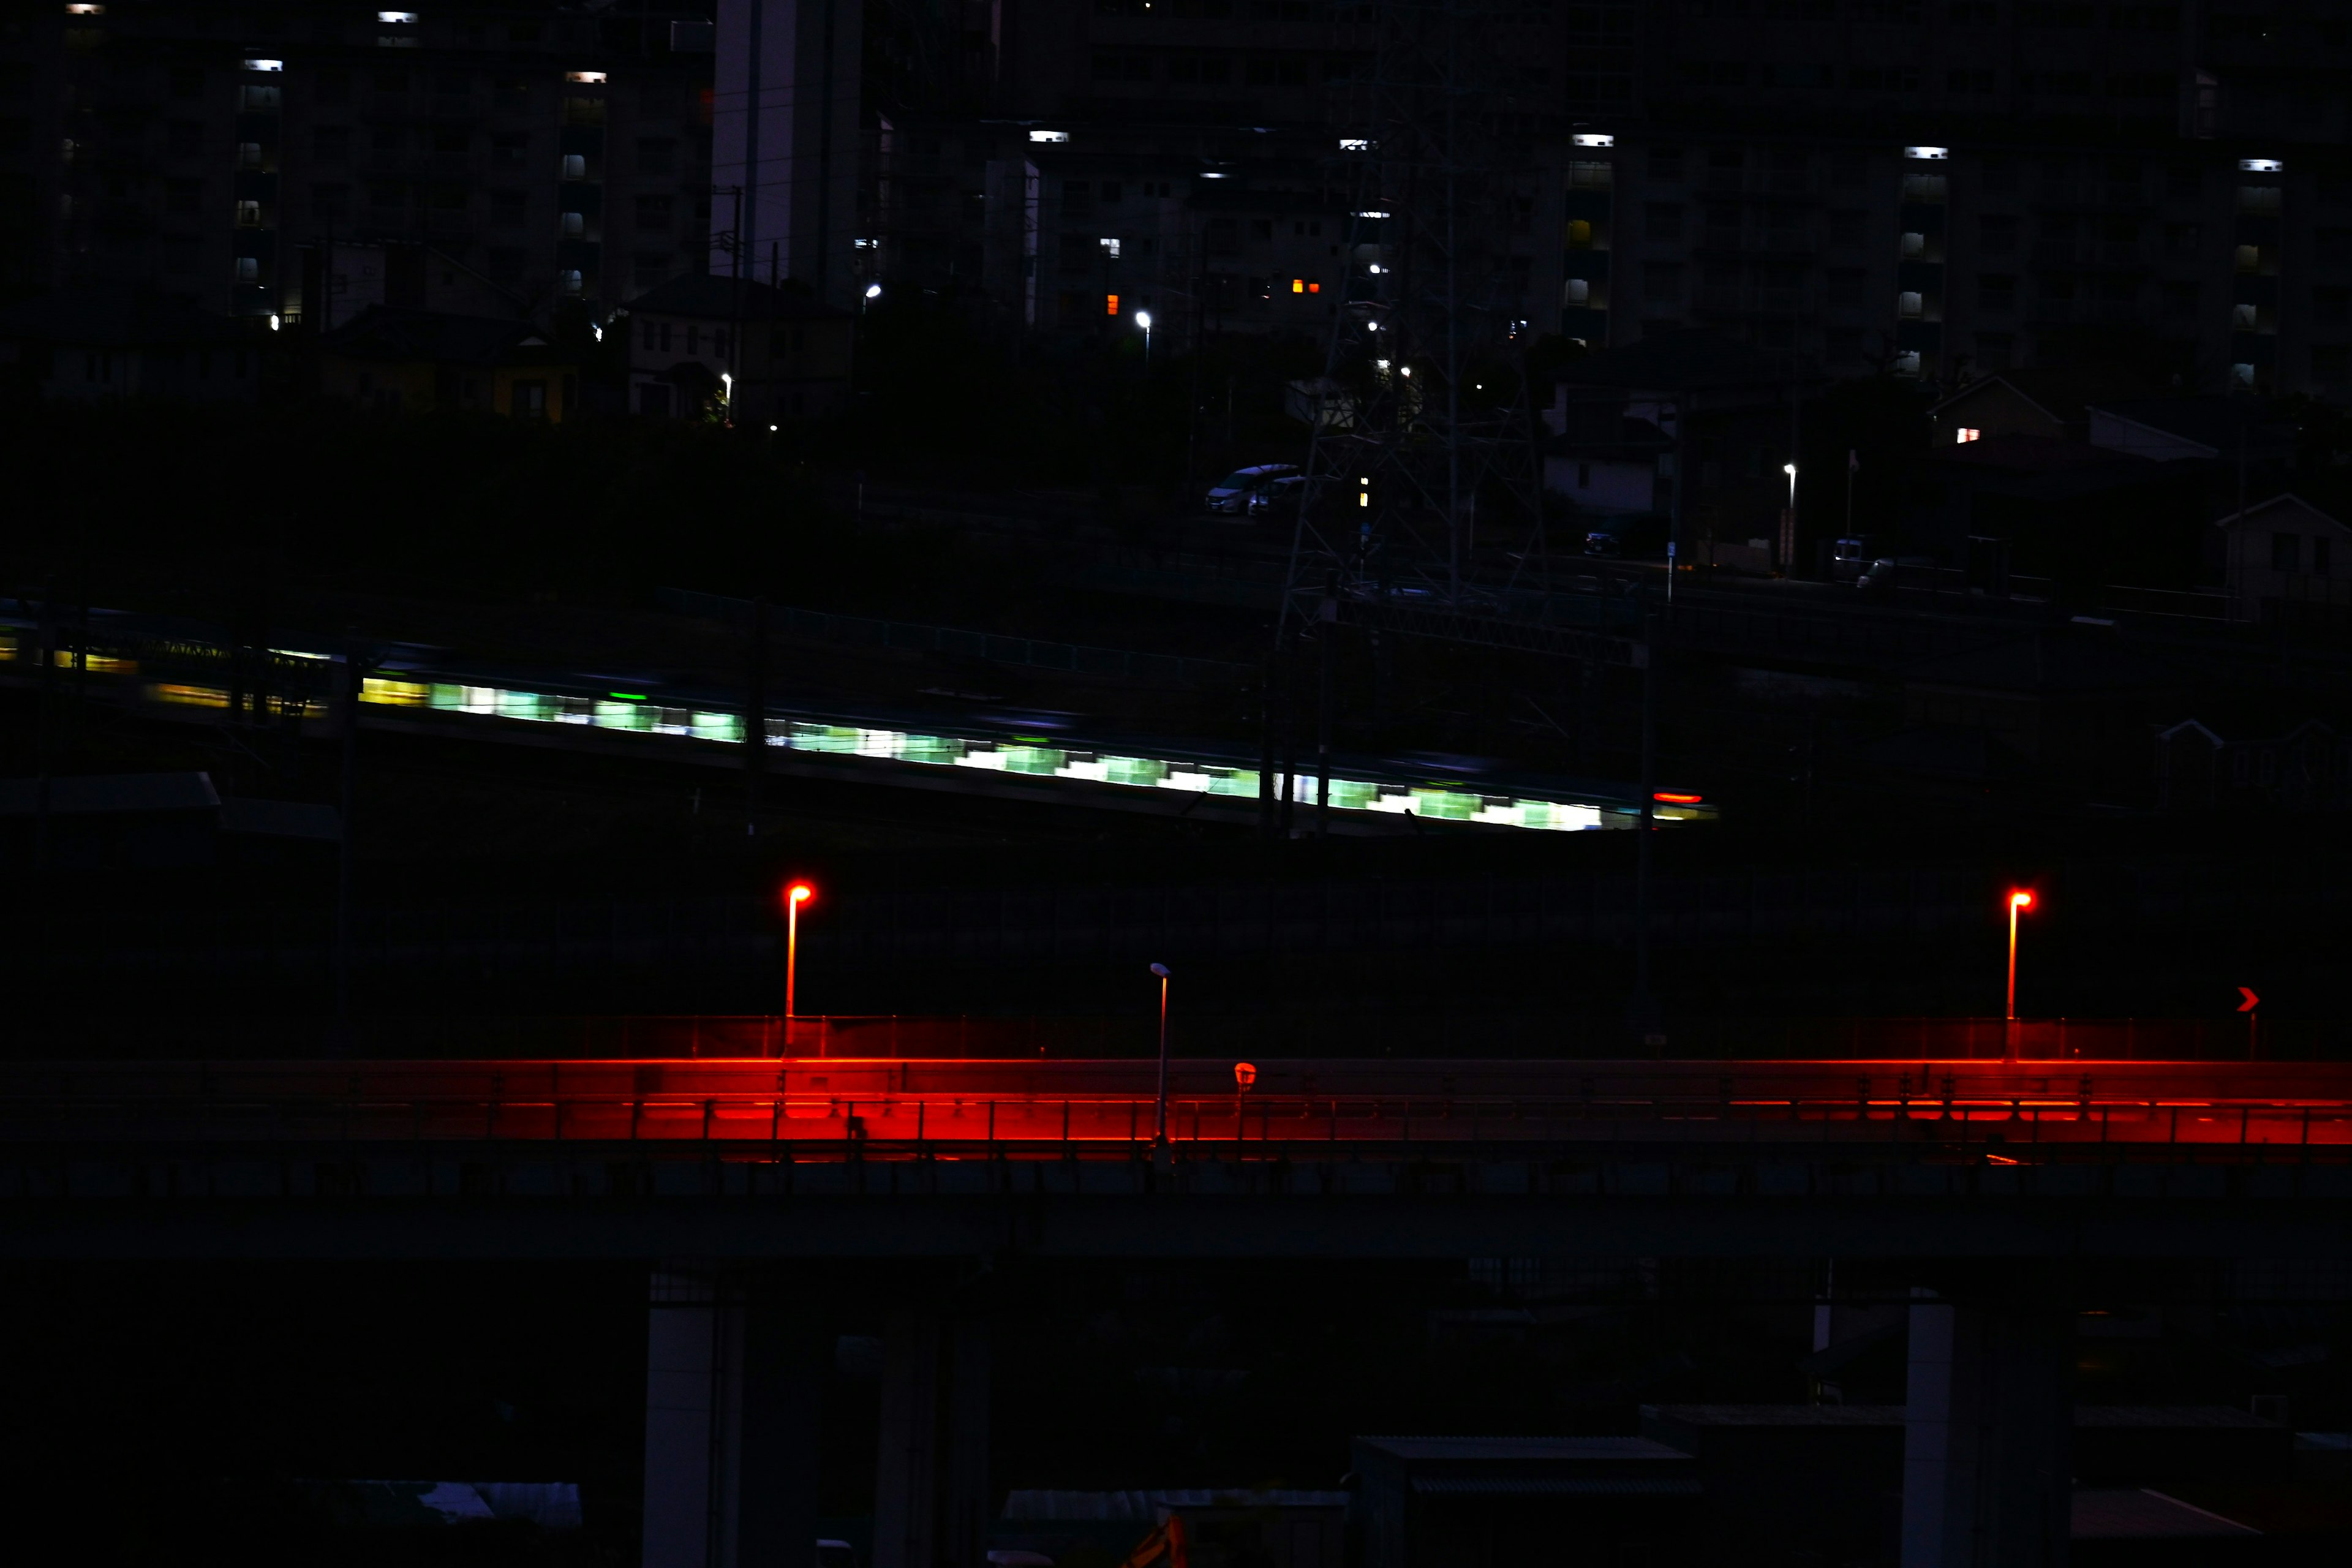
{"x": 931, "y": 1490}
{"x": 1989, "y": 1429}
{"x": 733, "y": 1371}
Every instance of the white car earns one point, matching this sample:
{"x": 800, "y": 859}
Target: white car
{"x": 1232, "y": 493}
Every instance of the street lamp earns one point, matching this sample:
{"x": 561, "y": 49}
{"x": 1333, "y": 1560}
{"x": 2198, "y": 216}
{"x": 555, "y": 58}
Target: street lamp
{"x": 1160, "y": 1116}
{"x": 1143, "y": 319}
{"x": 795, "y": 895}
{"x": 873, "y": 292}
{"x": 2019, "y": 901}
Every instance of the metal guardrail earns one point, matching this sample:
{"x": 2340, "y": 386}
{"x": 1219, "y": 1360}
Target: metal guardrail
{"x": 1106, "y": 1110}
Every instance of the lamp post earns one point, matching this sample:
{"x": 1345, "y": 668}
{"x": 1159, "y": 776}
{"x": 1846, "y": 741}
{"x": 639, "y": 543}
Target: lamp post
{"x": 873, "y": 292}
{"x": 1788, "y": 524}
{"x": 1143, "y": 319}
{"x": 795, "y": 895}
{"x": 1160, "y": 1114}
{"x": 2020, "y": 900}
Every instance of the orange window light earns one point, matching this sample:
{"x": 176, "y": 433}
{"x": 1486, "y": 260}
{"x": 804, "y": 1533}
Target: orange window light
{"x": 1298, "y": 285}
{"x": 1110, "y": 305}
{"x": 1314, "y": 287}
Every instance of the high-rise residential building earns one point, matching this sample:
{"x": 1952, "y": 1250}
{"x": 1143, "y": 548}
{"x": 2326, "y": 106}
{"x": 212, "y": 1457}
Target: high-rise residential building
{"x": 1921, "y": 187}
{"x": 559, "y": 149}
{"x": 1918, "y": 187}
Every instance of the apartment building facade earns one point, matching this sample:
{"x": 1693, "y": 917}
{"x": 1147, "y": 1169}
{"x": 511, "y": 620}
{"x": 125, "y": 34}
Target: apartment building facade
{"x": 1929, "y": 188}
{"x": 560, "y": 149}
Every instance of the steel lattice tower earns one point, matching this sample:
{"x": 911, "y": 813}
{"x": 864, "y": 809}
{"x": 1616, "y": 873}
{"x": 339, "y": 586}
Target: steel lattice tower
{"x": 1422, "y": 422}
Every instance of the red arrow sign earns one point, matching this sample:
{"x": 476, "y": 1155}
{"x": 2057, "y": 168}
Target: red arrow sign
{"x": 2250, "y": 1001}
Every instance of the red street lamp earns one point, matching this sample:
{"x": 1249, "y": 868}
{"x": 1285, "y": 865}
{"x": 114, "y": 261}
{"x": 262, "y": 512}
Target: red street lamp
{"x": 796, "y": 895}
{"x": 2019, "y": 901}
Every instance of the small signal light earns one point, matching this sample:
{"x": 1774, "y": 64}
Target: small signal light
{"x": 1245, "y": 1074}
{"x": 1676, "y": 797}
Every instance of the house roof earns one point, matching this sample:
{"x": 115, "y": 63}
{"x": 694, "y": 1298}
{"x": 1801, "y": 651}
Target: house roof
{"x": 1778, "y": 1415}
{"x": 1557, "y": 1486}
{"x": 2217, "y": 423}
{"x": 705, "y": 298}
{"x": 2015, "y": 453}
{"x": 1542, "y": 1449}
{"x": 1148, "y": 1502}
{"x": 2276, "y": 507}
{"x": 111, "y": 315}
{"x": 2060, "y": 391}
{"x": 1690, "y": 359}
{"x": 385, "y": 332}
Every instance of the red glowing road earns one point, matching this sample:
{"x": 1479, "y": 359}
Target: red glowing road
{"x": 817, "y": 1108}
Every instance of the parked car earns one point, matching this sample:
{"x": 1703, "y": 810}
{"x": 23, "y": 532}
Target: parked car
{"x": 1631, "y": 536}
{"x": 1279, "y": 500}
{"x": 1884, "y": 574}
{"x": 1232, "y": 494}
{"x": 1850, "y": 558}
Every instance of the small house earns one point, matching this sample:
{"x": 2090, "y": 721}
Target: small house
{"x": 95, "y": 342}
{"x": 701, "y": 346}
{"x": 2285, "y": 556}
{"x": 422, "y": 361}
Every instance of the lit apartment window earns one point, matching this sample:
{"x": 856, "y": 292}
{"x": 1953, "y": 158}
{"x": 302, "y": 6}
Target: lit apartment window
{"x": 1910, "y": 304}
{"x": 570, "y": 281}
{"x": 1109, "y": 248}
{"x": 1969, "y": 433}
{"x": 1576, "y": 291}
{"x": 248, "y": 269}
{"x": 574, "y": 226}
{"x": 248, "y": 215}
{"x": 1915, "y": 245}
{"x": 575, "y": 166}
{"x": 1110, "y": 305}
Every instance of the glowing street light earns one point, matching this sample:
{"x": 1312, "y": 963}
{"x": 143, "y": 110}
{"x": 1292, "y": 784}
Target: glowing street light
{"x": 1160, "y": 1116}
{"x": 1143, "y": 319}
{"x": 796, "y": 895}
{"x": 2019, "y": 901}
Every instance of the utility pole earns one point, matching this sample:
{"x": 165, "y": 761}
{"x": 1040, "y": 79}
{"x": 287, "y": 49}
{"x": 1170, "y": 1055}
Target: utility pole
{"x": 48, "y": 747}
{"x": 354, "y": 690}
{"x": 735, "y": 337}
{"x": 1290, "y": 735}
{"x": 1645, "y": 1010}
{"x": 1268, "y": 697}
{"x": 1796, "y": 416}
{"x": 755, "y": 717}
{"x": 1327, "y": 631}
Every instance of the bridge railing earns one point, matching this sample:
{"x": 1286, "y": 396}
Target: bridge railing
{"x": 813, "y": 1108}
